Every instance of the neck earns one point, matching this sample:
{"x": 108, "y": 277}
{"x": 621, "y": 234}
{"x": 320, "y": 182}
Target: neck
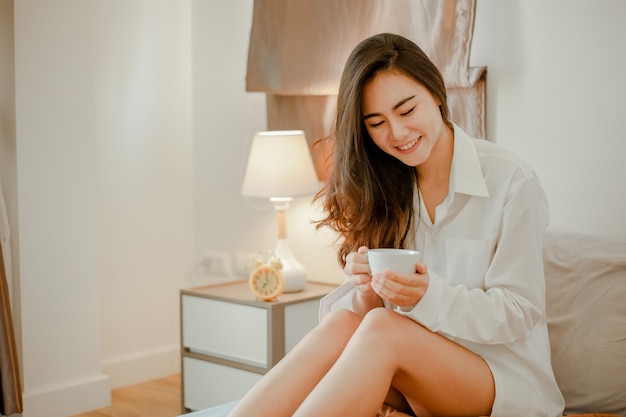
{"x": 437, "y": 167}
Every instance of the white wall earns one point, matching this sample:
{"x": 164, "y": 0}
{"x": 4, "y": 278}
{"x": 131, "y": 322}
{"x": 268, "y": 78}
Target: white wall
{"x": 104, "y": 169}
{"x": 57, "y": 200}
{"x": 144, "y": 165}
{"x": 555, "y": 95}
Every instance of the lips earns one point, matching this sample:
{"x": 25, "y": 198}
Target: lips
{"x": 407, "y": 146}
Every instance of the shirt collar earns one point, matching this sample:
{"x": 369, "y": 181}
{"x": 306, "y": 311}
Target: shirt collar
{"x": 466, "y": 175}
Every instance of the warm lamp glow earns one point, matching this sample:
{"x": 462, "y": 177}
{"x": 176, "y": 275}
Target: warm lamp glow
{"x": 280, "y": 165}
{"x": 280, "y": 168}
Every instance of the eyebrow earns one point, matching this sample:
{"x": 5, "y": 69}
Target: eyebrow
{"x": 398, "y": 104}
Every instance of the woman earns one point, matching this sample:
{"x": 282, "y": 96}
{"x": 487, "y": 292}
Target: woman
{"x": 469, "y": 334}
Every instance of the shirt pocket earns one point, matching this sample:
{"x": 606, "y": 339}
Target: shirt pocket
{"x": 467, "y": 261}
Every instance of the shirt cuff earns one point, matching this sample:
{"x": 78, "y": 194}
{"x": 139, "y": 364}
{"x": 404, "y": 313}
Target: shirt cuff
{"x": 403, "y": 310}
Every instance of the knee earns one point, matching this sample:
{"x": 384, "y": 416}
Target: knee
{"x": 338, "y": 324}
{"x": 376, "y": 321}
{"x": 387, "y": 331}
{"x": 376, "y": 328}
{"x": 392, "y": 325}
{"x": 341, "y": 316}
{"x": 380, "y": 320}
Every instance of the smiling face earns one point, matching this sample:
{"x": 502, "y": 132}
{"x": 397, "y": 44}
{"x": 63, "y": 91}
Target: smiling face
{"x": 402, "y": 117}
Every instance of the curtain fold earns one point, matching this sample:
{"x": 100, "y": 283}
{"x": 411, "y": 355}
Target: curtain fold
{"x": 468, "y": 105}
{"x": 314, "y": 115}
{"x": 298, "y": 49}
{"x": 10, "y": 383}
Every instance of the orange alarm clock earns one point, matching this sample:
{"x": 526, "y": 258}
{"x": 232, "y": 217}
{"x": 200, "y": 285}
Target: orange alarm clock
{"x": 266, "y": 280}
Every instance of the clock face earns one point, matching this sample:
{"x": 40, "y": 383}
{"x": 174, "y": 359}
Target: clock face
{"x": 267, "y": 283}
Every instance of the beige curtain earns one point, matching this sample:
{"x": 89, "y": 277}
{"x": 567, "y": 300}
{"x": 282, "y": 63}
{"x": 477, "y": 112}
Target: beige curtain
{"x": 298, "y": 49}
{"x": 10, "y": 385}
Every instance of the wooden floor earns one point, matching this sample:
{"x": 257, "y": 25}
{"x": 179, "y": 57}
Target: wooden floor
{"x": 158, "y": 398}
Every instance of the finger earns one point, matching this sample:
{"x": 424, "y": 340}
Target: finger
{"x": 360, "y": 279}
{"x": 397, "y": 280}
{"x": 356, "y": 268}
{"x": 390, "y": 288}
{"x": 359, "y": 256}
{"x": 381, "y": 286}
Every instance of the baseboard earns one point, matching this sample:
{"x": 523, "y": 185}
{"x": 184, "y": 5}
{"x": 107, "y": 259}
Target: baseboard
{"x": 75, "y": 398}
{"x": 143, "y": 366}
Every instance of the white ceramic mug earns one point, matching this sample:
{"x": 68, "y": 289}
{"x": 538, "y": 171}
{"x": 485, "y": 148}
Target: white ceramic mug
{"x": 397, "y": 260}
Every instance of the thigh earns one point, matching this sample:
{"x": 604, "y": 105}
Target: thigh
{"x": 436, "y": 375}
{"x": 329, "y": 338}
{"x": 397, "y": 400}
{"x": 338, "y": 325}
{"x": 286, "y": 385}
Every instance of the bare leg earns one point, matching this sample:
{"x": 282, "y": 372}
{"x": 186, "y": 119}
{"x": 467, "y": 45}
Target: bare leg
{"x": 396, "y": 400}
{"x": 436, "y": 375}
{"x": 286, "y": 385}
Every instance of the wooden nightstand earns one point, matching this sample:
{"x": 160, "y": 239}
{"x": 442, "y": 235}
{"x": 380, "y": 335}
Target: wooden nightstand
{"x": 230, "y": 339}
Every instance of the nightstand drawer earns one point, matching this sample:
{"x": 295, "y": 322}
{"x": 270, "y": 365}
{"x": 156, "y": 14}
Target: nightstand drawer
{"x": 225, "y": 330}
{"x": 208, "y": 384}
{"x": 299, "y": 320}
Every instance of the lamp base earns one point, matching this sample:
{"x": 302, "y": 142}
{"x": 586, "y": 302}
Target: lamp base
{"x": 293, "y": 271}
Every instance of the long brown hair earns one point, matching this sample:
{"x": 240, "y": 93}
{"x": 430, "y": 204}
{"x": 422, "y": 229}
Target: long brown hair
{"x": 368, "y": 198}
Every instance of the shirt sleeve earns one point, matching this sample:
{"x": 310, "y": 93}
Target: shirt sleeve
{"x": 340, "y": 297}
{"x": 513, "y": 298}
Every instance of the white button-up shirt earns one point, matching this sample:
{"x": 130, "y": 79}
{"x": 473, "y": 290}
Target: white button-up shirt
{"x": 484, "y": 249}
{"x": 487, "y": 288}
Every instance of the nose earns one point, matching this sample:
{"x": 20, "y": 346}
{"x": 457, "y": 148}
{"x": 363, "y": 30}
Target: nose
{"x": 397, "y": 129}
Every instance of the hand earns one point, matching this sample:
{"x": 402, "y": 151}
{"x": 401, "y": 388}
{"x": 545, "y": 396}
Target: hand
{"x": 357, "y": 270}
{"x": 403, "y": 290}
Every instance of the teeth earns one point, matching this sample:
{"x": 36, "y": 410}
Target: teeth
{"x": 407, "y": 146}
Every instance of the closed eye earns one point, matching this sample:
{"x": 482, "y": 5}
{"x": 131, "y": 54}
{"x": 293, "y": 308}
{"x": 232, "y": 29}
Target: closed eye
{"x": 406, "y": 113}
{"x": 376, "y": 124}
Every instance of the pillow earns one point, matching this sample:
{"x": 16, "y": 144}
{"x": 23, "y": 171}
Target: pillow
{"x": 586, "y": 311}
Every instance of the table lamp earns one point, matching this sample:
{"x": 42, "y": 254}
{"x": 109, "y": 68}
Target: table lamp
{"x": 280, "y": 168}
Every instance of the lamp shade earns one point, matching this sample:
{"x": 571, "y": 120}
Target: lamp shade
{"x": 280, "y": 165}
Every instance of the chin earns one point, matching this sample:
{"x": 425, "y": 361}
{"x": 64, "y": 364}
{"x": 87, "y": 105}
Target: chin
{"x": 408, "y": 162}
